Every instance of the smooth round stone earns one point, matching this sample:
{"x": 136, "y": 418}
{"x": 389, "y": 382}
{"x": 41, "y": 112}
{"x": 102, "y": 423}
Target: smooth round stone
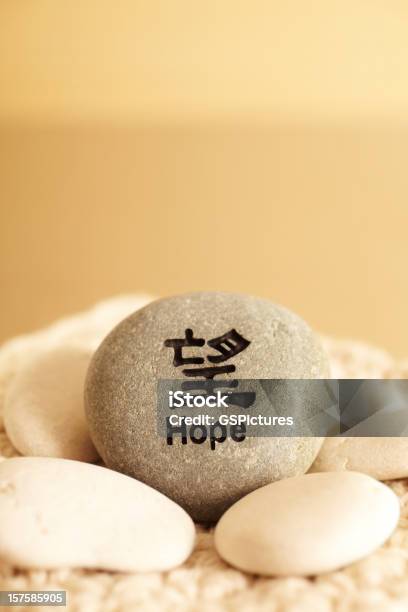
{"x": 307, "y": 525}
{"x": 121, "y": 397}
{"x": 381, "y": 458}
{"x": 44, "y": 407}
{"x": 59, "y": 513}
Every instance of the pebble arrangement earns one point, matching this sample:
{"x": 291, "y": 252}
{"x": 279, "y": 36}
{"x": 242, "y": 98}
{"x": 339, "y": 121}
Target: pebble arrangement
{"x": 70, "y": 513}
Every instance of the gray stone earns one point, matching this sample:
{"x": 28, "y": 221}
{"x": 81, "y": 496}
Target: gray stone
{"x": 121, "y": 387}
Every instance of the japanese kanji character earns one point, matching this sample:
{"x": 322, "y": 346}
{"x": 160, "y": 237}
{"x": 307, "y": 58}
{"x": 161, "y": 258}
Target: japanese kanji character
{"x": 228, "y": 345}
{"x": 209, "y": 372}
{"x": 179, "y": 344}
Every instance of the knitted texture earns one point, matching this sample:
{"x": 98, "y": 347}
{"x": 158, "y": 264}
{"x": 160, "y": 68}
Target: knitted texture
{"x": 205, "y": 583}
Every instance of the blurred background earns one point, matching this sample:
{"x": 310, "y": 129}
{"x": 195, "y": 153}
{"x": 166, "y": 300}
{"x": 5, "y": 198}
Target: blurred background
{"x": 168, "y": 146}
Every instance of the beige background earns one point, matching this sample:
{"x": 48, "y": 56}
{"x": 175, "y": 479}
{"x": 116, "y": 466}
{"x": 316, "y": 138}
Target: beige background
{"x": 170, "y": 146}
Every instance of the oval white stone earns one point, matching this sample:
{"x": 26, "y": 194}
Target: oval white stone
{"x": 44, "y": 407}
{"x": 62, "y": 513}
{"x": 382, "y": 458}
{"x": 308, "y": 524}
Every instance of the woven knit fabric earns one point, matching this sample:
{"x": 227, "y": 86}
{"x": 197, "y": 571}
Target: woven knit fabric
{"x": 204, "y": 583}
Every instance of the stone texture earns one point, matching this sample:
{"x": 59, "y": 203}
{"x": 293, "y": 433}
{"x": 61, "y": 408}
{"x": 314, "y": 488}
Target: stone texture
{"x": 56, "y": 513}
{"x": 44, "y": 406}
{"x": 307, "y": 525}
{"x": 382, "y": 458}
{"x": 120, "y": 398}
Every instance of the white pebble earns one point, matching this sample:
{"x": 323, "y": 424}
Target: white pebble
{"x": 382, "y": 458}
{"x": 308, "y": 524}
{"x": 44, "y": 407}
{"x": 60, "y": 513}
